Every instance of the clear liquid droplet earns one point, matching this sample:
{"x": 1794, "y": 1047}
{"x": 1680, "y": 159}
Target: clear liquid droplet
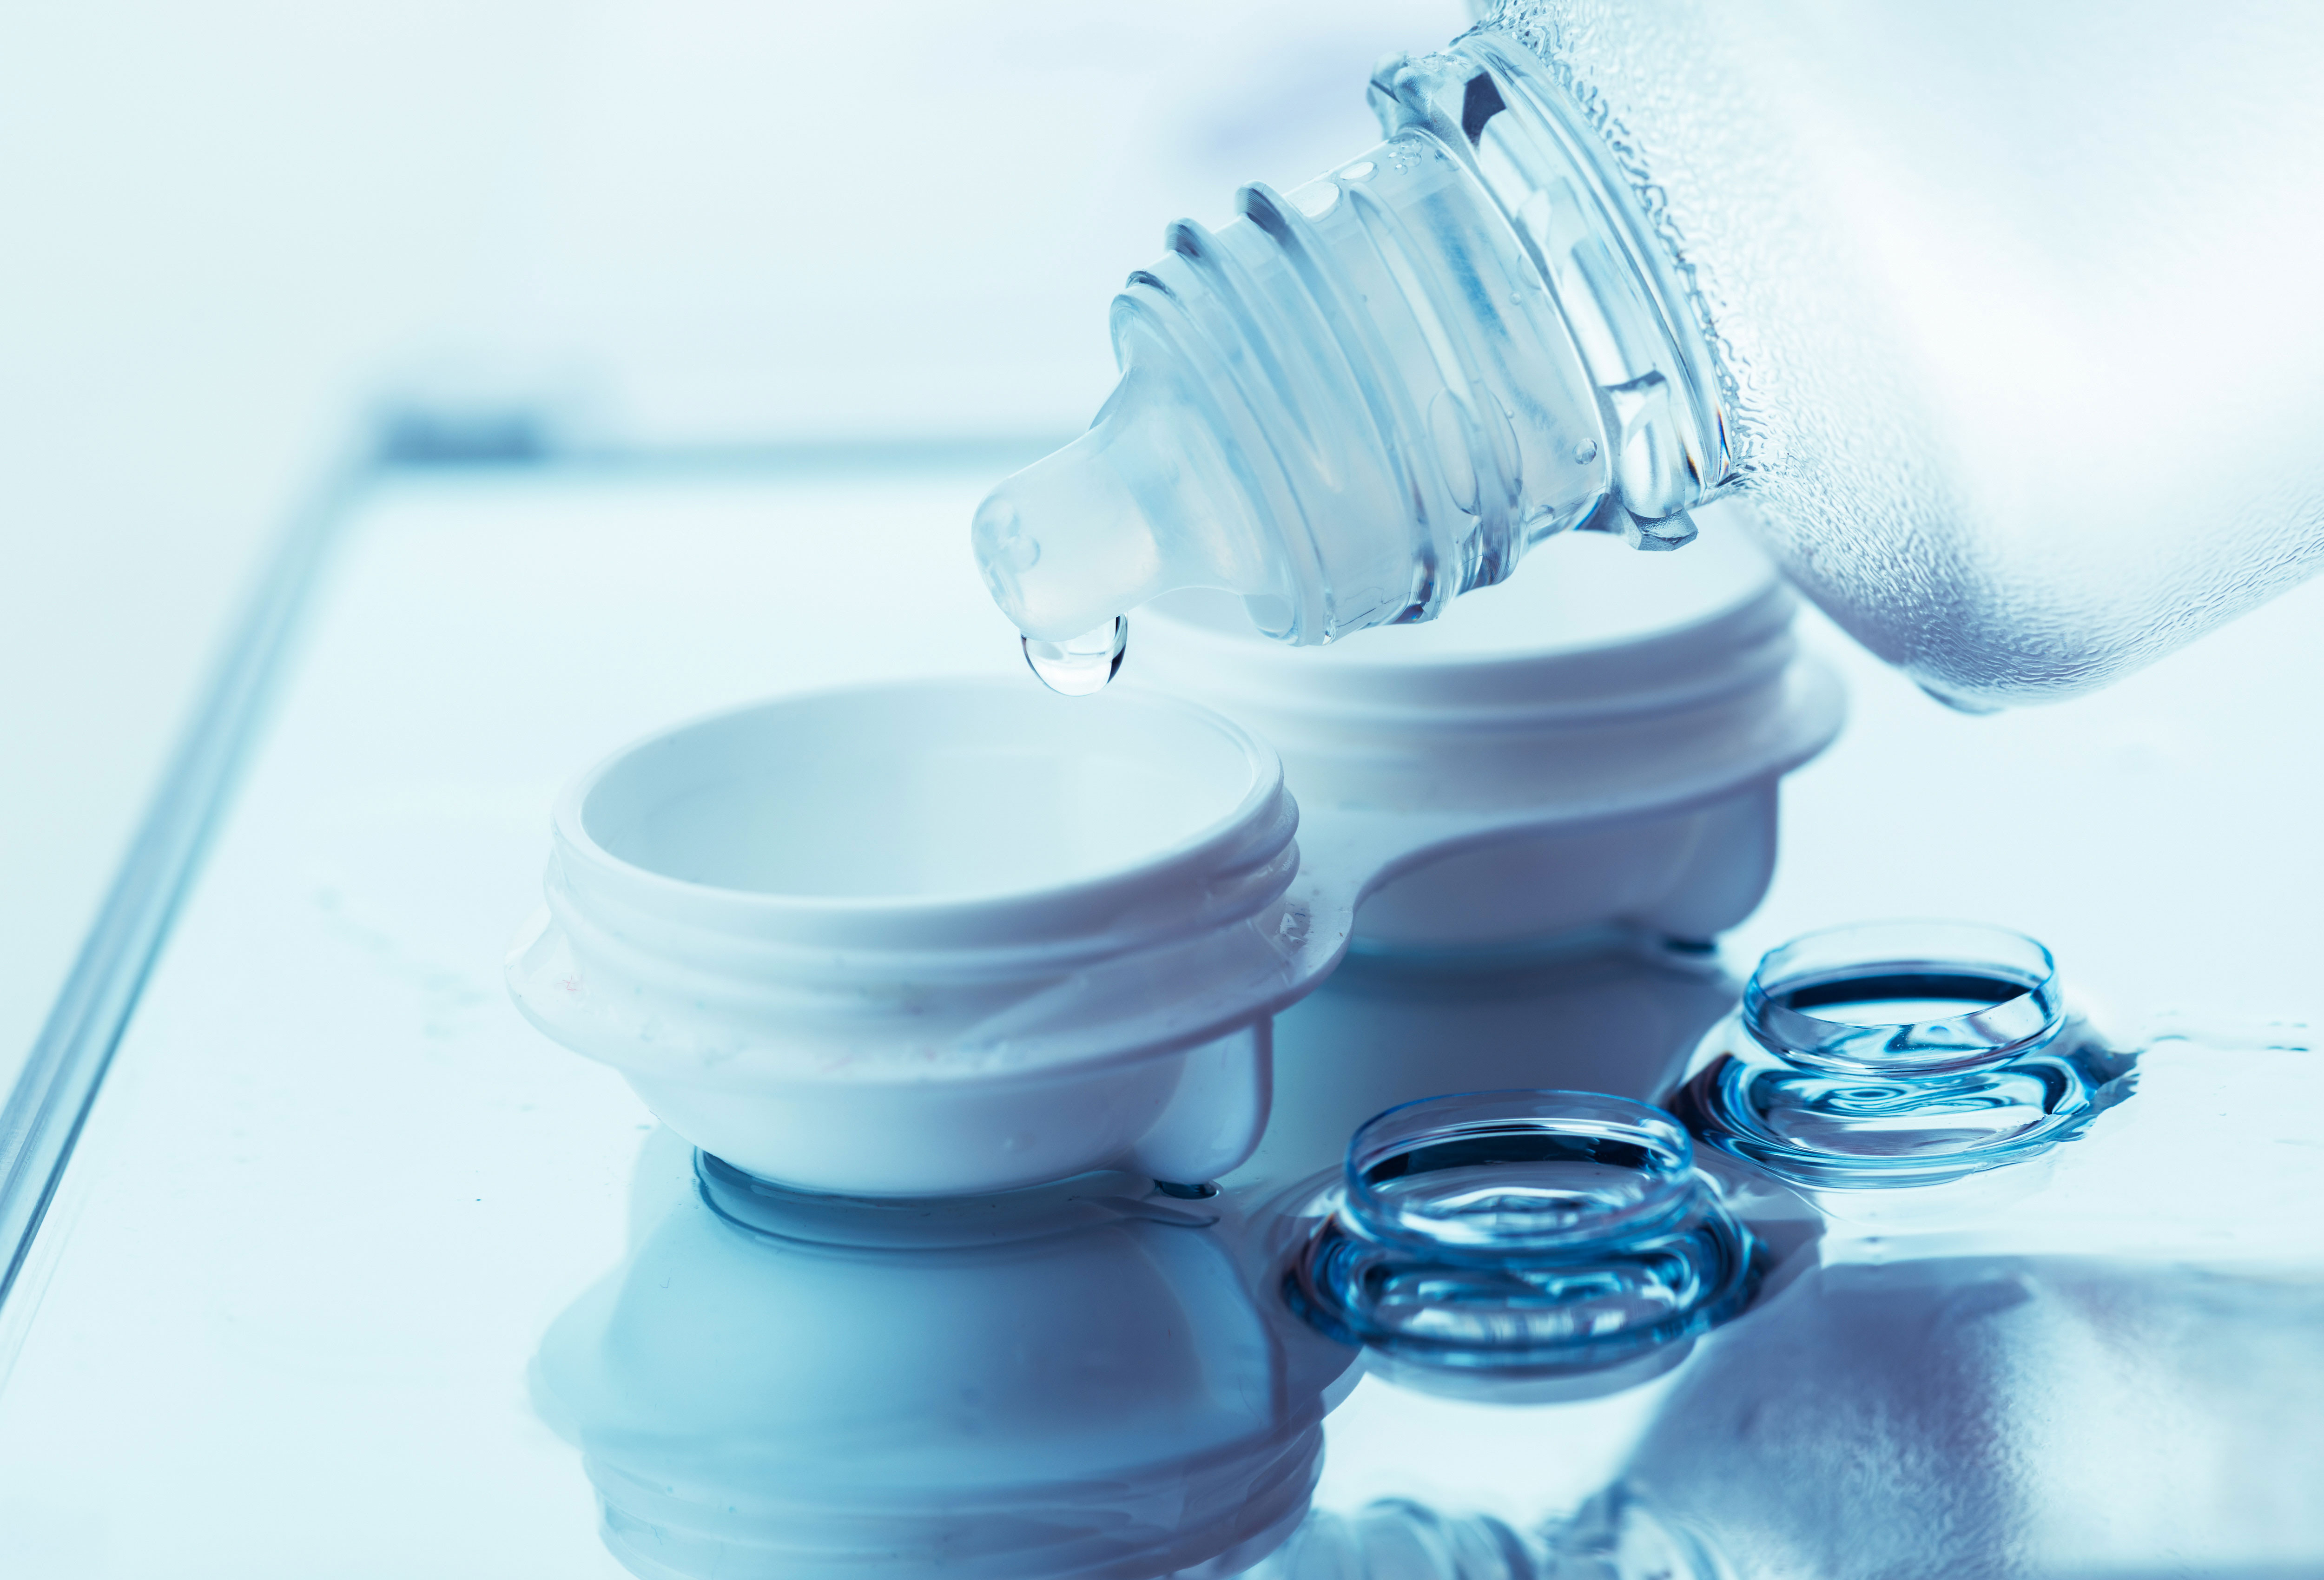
{"x": 1080, "y": 665}
{"x": 1585, "y": 452}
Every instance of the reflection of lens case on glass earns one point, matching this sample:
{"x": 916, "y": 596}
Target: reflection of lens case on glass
{"x": 1075, "y": 1379}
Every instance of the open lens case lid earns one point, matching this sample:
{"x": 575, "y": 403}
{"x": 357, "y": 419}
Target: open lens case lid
{"x": 934, "y": 937}
{"x": 1603, "y": 690}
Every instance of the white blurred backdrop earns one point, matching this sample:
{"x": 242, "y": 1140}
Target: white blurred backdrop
{"x": 229, "y": 231}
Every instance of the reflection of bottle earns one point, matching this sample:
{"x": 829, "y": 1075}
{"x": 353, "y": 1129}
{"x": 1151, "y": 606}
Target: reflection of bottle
{"x": 2000, "y": 320}
{"x": 1071, "y": 1380}
{"x": 1963, "y": 1414}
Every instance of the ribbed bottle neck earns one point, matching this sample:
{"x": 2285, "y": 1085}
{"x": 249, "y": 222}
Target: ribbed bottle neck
{"x": 1587, "y": 222}
{"x": 1372, "y": 393}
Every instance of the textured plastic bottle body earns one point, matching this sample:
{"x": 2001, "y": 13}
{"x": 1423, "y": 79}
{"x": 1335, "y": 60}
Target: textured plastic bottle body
{"x": 1995, "y": 318}
{"x": 2004, "y": 306}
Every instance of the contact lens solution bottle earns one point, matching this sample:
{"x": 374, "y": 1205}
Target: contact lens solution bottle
{"x": 1998, "y": 319}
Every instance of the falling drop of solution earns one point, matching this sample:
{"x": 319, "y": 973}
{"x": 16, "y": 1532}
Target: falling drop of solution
{"x": 1080, "y": 665}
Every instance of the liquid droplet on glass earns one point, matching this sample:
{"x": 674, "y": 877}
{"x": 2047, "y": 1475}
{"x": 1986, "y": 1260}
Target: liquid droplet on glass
{"x": 1080, "y": 665}
{"x": 1585, "y": 452}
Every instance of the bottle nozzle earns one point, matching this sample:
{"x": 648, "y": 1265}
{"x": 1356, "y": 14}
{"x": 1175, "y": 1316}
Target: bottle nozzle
{"x": 1119, "y": 515}
{"x": 1064, "y": 545}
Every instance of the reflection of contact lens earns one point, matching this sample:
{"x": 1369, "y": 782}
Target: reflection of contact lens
{"x": 1901, "y": 1053}
{"x": 1524, "y": 1233}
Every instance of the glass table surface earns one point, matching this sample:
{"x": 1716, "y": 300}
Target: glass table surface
{"x": 334, "y": 1189}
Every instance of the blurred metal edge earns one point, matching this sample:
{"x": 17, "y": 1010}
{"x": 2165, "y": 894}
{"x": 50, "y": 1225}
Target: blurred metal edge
{"x": 47, "y": 1109}
{"x": 41, "y": 1124}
